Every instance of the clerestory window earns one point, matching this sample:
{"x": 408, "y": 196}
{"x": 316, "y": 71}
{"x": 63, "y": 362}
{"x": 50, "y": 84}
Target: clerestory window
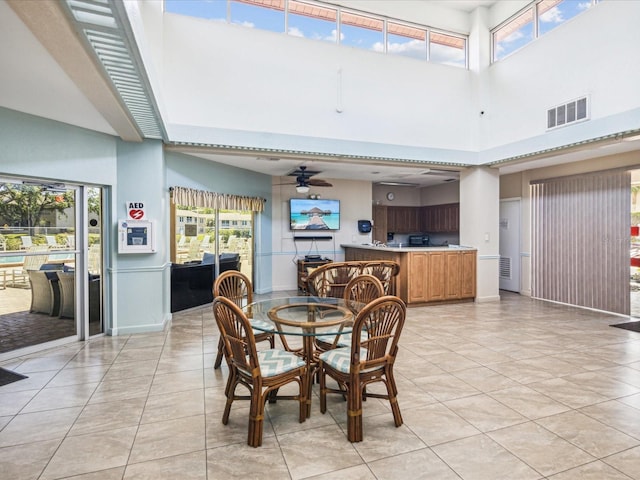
{"x": 531, "y": 22}
{"x": 334, "y": 24}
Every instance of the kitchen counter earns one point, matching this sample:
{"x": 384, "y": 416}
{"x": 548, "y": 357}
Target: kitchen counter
{"x": 427, "y": 274}
{"x": 405, "y": 248}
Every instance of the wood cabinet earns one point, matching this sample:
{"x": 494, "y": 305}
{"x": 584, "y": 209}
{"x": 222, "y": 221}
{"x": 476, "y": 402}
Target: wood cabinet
{"x": 403, "y": 219}
{"x": 428, "y": 219}
{"x": 468, "y": 274}
{"x": 440, "y": 218}
{"x": 379, "y": 231}
{"x": 303, "y": 266}
{"x": 441, "y": 275}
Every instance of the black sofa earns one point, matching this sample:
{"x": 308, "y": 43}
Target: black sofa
{"x": 192, "y": 282}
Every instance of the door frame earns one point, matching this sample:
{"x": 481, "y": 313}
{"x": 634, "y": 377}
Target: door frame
{"x": 507, "y": 249}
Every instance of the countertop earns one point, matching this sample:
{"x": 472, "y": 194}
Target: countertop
{"x": 369, "y": 246}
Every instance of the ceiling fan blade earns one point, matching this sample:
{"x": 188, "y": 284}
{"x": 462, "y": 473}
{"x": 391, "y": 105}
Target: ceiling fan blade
{"x": 318, "y": 182}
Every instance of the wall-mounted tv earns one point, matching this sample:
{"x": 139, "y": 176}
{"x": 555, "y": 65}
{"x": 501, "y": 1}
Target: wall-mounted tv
{"x": 314, "y": 214}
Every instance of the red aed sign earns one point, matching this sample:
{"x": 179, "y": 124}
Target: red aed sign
{"x": 135, "y": 210}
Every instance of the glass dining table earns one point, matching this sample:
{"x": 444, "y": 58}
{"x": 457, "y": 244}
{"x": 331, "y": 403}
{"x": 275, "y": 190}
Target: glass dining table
{"x": 298, "y": 321}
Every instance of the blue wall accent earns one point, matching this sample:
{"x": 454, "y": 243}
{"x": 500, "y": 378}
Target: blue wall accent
{"x": 193, "y": 172}
{"x": 139, "y": 284}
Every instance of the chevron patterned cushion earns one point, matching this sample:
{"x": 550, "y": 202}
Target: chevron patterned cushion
{"x": 340, "y": 358}
{"x": 275, "y": 362}
{"x": 262, "y": 326}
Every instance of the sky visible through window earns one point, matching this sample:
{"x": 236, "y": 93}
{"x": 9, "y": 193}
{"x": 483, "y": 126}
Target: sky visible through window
{"x": 321, "y": 25}
{"x": 520, "y": 30}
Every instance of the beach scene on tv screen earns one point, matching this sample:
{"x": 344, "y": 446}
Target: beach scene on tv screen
{"x": 309, "y": 214}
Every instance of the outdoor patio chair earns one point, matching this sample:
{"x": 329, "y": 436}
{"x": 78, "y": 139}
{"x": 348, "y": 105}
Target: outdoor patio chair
{"x": 67, "y": 282}
{"x": 237, "y": 287}
{"x": 51, "y": 241}
{"x": 20, "y": 277}
{"x": 368, "y": 359}
{"x": 43, "y": 295}
{"x": 263, "y": 373}
{"x": 26, "y": 241}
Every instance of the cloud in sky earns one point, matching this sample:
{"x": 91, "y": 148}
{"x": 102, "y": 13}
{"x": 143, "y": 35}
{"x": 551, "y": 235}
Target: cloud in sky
{"x": 295, "y": 32}
{"x": 553, "y": 15}
{"x": 328, "y": 38}
{"x": 512, "y": 37}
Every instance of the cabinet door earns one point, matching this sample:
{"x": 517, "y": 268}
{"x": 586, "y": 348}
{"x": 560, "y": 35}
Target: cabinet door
{"x": 468, "y": 275}
{"x": 418, "y": 277}
{"x": 453, "y": 287}
{"x": 392, "y": 219}
{"x": 451, "y": 217}
{"x": 436, "y": 276}
{"x": 413, "y": 216}
{"x": 380, "y": 225}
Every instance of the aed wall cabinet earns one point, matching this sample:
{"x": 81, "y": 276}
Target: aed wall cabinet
{"x": 136, "y": 236}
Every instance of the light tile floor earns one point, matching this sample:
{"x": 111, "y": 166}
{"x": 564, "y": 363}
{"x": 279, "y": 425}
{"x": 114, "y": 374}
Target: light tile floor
{"x": 518, "y": 389}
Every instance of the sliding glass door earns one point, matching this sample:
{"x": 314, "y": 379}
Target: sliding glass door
{"x": 51, "y": 261}
{"x": 200, "y": 232}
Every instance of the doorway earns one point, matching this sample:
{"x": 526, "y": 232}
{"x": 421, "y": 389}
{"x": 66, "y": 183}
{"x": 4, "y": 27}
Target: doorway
{"x": 51, "y": 264}
{"x": 510, "y": 245}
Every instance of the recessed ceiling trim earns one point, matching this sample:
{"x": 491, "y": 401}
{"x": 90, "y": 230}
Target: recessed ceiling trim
{"x": 568, "y": 148}
{"x": 200, "y": 148}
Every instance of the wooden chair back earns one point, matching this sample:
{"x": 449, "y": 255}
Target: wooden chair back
{"x": 330, "y": 279}
{"x": 235, "y": 286}
{"x": 237, "y": 334}
{"x": 380, "y": 323}
{"x": 361, "y": 290}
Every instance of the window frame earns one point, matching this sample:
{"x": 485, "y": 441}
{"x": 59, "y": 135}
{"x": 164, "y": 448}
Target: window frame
{"x": 533, "y": 6}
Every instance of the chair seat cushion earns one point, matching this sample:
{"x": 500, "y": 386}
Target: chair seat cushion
{"x": 340, "y": 358}
{"x": 274, "y": 362}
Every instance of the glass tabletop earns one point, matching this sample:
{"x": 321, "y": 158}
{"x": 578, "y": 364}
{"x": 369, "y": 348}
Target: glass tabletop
{"x": 306, "y": 316}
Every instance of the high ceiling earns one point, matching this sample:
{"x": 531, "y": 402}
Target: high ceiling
{"x": 36, "y": 46}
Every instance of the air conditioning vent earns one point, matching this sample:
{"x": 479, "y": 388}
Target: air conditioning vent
{"x": 568, "y": 113}
{"x": 505, "y": 268}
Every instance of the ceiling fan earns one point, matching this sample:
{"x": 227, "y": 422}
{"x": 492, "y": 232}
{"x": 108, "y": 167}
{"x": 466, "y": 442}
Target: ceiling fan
{"x": 304, "y": 180}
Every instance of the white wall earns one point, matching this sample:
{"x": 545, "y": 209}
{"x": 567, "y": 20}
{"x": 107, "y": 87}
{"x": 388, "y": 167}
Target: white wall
{"x": 355, "y": 204}
{"x": 267, "y": 82}
{"x": 440, "y": 194}
{"x": 592, "y": 54}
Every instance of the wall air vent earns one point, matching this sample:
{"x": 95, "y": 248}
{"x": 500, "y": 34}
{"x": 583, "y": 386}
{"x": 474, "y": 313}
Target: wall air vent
{"x": 505, "y": 268}
{"x": 574, "y": 111}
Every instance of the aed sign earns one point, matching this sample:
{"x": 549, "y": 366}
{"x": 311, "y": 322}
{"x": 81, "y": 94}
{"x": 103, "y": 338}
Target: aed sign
{"x": 135, "y": 211}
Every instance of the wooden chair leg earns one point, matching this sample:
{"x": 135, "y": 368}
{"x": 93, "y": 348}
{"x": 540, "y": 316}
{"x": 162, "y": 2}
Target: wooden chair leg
{"x": 354, "y": 412}
{"x": 304, "y": 395}
{"x": 218, "y": 361}
{"x": 256, "y": 420}
{"x": 392, "y": 392}
{"x": 323, "y": 389}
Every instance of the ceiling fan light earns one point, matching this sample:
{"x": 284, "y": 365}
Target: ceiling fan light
{"x": 302, "y": 188}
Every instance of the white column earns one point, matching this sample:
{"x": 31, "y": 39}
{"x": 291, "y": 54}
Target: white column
{"x": 479, "y": 226}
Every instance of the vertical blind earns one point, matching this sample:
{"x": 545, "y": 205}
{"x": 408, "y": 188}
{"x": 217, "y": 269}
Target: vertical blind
{"x": 581, "y": 240}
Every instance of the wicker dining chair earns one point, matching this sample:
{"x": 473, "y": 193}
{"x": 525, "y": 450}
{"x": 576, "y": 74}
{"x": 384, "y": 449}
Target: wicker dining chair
{"x": 261, "y": 372}
{"x": 237, "y": 287}
{"x": 359, "y": 292}
{"x": 369, "y": 359}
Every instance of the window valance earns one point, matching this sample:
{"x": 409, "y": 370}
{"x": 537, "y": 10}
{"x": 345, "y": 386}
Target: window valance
{"x": 219, "y": 201}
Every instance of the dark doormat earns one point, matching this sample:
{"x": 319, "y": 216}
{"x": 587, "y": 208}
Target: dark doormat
{"x": 7, "y": 376}
{"x": 633, "y": 326}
